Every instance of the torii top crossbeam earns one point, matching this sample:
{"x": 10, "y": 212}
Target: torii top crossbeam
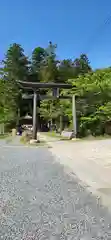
{"x": 37, "y": 85}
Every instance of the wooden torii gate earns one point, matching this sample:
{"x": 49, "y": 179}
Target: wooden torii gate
{"x": 35, "y": 87}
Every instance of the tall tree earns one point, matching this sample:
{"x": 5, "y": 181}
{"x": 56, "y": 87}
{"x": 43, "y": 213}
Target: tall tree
{"x": 38, "y": 61}
{"x": 93, "y": 91}
{"x": 16, "y": 64}
{"x": 15, "y": 67}
{"x": 81, "y": 65}
{"x": 72, "y": 69}
{"x": 66, "y": 70}
{"x": 49, "y": 71}
{"x": 8, "y": 102}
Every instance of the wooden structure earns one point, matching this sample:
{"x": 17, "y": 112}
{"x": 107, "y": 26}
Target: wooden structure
{"x": 27, "y": 120}
{"x": 35, "y": 87}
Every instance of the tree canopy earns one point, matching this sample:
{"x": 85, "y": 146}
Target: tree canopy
{"x": 92, "y": 88}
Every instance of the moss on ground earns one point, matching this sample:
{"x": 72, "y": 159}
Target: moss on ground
{"x": 3, "y": 136}
{"x": 26, "y": 140}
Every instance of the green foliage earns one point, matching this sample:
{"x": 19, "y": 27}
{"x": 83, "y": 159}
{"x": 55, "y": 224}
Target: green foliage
{"x": 66, "y": 70}
{"x": 49, "y": 70}
{"x": 72, "y": 69}
{"x": 7, "y": 101}
{"x": 15, "y": 63}
{"x": 93, "y": 101}
{"x": 15, "y": 67}
{"x": 81, "y": 65}
{"x": 38, "y": 61}
{"x": 92, "y": 89}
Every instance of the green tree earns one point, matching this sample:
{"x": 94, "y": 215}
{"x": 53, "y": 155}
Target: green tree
{"x": 38, "y": 61}
{"x": 81, "y": 65}
{"x": 48, "y": 73}
{"x": 8, "y": 102}
{"x": 66, "y": 70}
{"x": 49, "y": 70}
{"x": 15, "y": 67}
{"x": 72, "y": 69}
{"x": 93, "y": 93}
{"x": 16, "y": 64}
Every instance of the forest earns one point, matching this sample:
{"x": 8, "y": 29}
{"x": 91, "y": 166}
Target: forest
{"x": 91, "y": 87}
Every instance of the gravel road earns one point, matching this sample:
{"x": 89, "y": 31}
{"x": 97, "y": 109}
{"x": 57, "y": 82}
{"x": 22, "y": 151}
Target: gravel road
{"x": 40, "y": 199}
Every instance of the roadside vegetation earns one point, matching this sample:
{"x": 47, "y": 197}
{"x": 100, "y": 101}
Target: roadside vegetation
{"x": 92, "y": 89}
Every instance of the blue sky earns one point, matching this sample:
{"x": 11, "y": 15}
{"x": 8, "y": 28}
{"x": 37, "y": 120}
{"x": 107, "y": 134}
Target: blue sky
{"x": 76, "y": 26}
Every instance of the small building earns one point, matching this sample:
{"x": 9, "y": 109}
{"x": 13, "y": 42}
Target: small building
{"x": 27, "y": 121}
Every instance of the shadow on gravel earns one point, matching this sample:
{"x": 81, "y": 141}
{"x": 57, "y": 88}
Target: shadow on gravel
{"x": 41, "y": 199}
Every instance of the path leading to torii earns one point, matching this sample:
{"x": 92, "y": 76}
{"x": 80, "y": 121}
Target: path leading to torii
{"x": 42, "y": 199}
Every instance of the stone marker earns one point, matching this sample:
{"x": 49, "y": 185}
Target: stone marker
{"x": 14, "y": 132}
{"x": 66, "y": 134}
{"x": 33, "y": 141}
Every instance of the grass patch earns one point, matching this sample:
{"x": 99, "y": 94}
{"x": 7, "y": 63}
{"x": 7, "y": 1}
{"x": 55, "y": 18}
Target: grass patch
{"x": 65, "y": 139}
{"x": 25, "y": 139}
{"x": 101, "y": 137}
{"x": 7, "y": 137}
{"x": 3, "y": 136}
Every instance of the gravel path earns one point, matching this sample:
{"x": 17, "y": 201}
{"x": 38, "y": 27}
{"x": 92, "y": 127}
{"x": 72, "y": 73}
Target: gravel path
{"x": 39, "y": 199}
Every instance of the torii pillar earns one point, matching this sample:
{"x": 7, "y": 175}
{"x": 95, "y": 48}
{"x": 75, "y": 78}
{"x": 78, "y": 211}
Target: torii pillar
{"x": 34, "y": 86}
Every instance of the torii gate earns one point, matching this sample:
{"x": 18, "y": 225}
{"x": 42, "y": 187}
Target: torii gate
{"x": 35, "y": 86}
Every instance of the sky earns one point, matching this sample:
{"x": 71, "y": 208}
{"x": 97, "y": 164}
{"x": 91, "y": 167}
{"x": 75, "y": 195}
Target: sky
{"x": 76, "y": 26}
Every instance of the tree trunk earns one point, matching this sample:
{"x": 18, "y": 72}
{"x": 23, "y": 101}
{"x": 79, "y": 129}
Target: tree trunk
{"x": 61, "y": 123}
{"x": 35, "y": 116}
{"x": 18, "y": 117}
